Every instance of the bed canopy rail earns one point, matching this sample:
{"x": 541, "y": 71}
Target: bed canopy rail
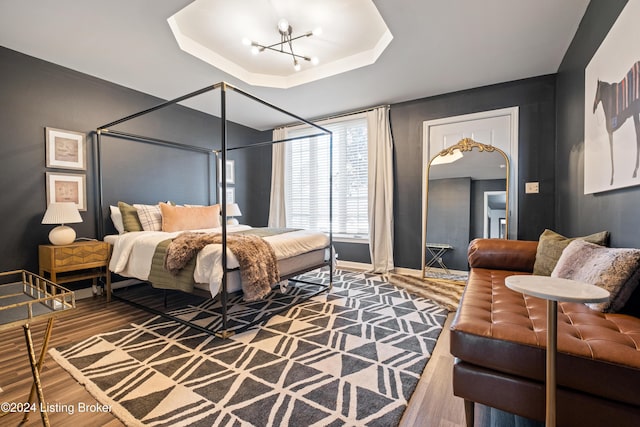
{"x": 219, "y": 153}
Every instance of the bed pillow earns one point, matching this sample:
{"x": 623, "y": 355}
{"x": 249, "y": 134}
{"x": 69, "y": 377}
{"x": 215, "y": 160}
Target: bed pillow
{"x": 150, "y": 217}
{"x": 130, "y": 219}
{"x": 551, "y": 245}
{"x": 116, "y": 218}
{"x": 179, "y": 218}
{"x": 615, "y": 269}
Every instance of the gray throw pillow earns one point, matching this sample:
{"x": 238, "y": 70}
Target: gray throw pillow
{"x": 615, "y": 269}
{"x": 551, "y": 245}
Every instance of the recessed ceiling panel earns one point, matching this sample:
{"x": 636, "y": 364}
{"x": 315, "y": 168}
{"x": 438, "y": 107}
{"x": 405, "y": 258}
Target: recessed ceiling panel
{"x": 353, "y": 35}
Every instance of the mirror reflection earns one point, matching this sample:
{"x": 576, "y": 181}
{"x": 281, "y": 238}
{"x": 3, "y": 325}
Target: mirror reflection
{"x": 467, "y": 197}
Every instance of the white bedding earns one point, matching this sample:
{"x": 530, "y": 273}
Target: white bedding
{"x": 133, "y": 252}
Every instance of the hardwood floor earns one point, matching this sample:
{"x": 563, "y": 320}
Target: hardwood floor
{"x": 432, "y": 404}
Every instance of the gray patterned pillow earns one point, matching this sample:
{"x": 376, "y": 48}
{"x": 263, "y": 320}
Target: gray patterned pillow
{"x": 150, "y": 217}
{"x": 615, "y": 269}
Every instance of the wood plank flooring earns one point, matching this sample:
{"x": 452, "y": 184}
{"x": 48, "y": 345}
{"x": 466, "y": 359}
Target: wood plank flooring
{"x": 432, "y": 404}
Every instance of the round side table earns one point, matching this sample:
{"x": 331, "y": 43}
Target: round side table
{"x": 554, "y": 289}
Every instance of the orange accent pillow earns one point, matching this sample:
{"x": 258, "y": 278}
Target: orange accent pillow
{"x": 180, "y": 218}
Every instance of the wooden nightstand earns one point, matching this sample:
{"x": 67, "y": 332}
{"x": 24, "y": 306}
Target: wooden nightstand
{"x": 77, "y": 261}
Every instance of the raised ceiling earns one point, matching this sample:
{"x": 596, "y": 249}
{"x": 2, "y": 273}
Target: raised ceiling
{"x": 353, "y": 35}
{"x": 437, "y": 47}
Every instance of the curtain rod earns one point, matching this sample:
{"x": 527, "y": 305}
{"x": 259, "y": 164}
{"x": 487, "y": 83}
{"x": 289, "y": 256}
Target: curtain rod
{"x": 337, "y": 116}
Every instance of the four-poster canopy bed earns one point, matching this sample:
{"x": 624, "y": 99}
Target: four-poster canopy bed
{"x": 296, "y": 251}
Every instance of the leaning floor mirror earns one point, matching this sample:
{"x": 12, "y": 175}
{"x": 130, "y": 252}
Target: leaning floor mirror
{"x": 467, "y": 192}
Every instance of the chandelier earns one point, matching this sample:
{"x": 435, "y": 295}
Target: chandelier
{"x": 285, "y": 45}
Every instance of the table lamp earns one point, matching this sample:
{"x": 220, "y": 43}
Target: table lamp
{"x": 233, "y": 210}
{"x": 62, "y": 213}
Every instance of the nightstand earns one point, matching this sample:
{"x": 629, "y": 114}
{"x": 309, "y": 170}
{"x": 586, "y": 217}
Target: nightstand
{"x": 77, "y": 261}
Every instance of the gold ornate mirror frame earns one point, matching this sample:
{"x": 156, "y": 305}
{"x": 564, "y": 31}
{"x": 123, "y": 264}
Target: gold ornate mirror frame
{"x": 466, "y": 144}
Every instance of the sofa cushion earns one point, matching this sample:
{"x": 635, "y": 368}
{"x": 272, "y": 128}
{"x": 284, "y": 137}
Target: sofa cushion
{"x": 551, "y": 245}
{"x": 615, "y": 269}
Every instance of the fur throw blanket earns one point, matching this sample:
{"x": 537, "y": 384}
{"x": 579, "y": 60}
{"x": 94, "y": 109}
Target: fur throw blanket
{"x": 257, "y": 259}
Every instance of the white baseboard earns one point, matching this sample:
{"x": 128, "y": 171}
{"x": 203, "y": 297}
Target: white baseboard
{"x": 361, "y": 266}
{"x": 124, "y": 283}
{"x": 352, "y": 265}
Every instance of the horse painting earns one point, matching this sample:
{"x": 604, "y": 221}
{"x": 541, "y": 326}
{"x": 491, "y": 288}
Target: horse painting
{"x": 619, "y": 102}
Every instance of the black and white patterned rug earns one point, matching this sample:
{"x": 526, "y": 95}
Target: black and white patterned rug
{"x": 349, "y": 357}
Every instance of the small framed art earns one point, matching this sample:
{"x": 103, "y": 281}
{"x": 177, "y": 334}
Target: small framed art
{"x": 231, "y": 195}
{"x": 64, "y": 187}
{"x": 65, "y": 149}
{"x": 231, "y": 171}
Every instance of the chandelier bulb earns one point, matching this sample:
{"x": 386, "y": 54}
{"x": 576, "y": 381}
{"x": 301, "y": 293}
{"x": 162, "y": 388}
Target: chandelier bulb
{"x": 296, "y": 65}
{"x": 317, "y": 31}
{"x": 283, "y": 25}
{"x": 315, "y": 60}
{"x": 246, "y": 41}
{"x": 255, "y": 50}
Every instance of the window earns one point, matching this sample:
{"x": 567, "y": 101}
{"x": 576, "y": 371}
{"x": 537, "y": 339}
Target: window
{"x": 307, "y": 178}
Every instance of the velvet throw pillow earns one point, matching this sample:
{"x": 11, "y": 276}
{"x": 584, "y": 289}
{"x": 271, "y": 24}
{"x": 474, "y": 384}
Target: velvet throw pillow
{"x": 180, "y": 218}
{"x": 551, "y": 245}
{"x": 130, "y": 219}
{"x": 615, "y": 269}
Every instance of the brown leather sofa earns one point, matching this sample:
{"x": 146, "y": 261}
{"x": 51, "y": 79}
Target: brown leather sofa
{"x": 498, "y": 339}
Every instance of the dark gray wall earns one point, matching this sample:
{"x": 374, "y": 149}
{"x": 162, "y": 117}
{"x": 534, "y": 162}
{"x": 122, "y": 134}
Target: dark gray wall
{"x": 449, "y": 219}
{"x": 536, "y": 99}
{"x": 35, "y": 94}
{"x": 38, "y": 94}
{"x": 579, "y": 214}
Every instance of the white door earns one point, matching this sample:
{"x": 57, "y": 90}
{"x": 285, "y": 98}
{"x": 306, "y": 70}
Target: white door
{"x": 496, "y": 127}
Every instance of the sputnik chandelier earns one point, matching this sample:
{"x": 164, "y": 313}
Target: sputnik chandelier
{"x": 285, "y": 45}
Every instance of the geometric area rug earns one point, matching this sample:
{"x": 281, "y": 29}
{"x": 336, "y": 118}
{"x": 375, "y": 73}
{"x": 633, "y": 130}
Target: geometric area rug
{"x": 348, "y": 357}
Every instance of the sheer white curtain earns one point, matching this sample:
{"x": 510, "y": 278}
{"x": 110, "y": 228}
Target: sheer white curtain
{"x": 380, "y": 153}
{"x": 277, "y": 207}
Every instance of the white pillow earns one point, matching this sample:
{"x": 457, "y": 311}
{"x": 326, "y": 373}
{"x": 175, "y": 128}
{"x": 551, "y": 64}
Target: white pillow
{"x": 116, "y": 218}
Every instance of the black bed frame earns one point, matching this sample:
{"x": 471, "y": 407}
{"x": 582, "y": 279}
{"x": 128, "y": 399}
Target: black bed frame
{"x": 220, "y": 154}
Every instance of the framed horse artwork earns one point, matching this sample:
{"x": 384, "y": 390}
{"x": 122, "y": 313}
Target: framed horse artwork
{"x": 612, "y": 107}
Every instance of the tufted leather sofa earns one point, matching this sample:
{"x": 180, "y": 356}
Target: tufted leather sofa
{"x": 498, "y": 339}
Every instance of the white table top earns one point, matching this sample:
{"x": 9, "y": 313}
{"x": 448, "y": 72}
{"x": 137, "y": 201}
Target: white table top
{"x": 439, "y": 245}
{"x": 556, "y": 289}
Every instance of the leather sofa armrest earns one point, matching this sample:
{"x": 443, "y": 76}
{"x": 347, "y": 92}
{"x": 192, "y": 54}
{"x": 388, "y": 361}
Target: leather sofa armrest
{"x": 502, "y": 254}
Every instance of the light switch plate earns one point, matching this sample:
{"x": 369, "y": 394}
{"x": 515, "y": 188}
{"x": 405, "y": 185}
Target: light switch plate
{"x": 531, "y": 187}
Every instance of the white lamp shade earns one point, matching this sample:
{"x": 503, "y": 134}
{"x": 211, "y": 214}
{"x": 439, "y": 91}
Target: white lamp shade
{"x": 233, "y": 209}
{"x": 61, "y": 213}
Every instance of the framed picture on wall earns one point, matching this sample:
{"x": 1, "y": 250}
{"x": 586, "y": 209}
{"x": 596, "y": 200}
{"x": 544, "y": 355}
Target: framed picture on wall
{"x": 231, "y": 195}
{"x": 65, "y": 149}
{"x": 231, "y": 171}
{"x": 612, "y": 105}
{"x": 62, "y": 187}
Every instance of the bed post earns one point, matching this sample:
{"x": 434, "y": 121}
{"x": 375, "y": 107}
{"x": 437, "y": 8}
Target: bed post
{"x": 97, "y": 147}
{"x": 224, "y": 333}
{"x": 331, "y": 260}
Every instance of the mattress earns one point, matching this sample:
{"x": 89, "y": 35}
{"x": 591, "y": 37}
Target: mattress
{"x": 296, "y": 250}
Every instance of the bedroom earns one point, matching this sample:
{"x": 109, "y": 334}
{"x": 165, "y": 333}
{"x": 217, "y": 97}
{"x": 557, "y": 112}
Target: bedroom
{"x": 38, "y": 94}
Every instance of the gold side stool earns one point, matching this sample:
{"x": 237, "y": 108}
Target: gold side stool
{"x": 26, "y": 298}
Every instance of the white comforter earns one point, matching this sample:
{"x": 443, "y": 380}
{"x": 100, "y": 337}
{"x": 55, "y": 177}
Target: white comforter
{"x": 133, "y": 252}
